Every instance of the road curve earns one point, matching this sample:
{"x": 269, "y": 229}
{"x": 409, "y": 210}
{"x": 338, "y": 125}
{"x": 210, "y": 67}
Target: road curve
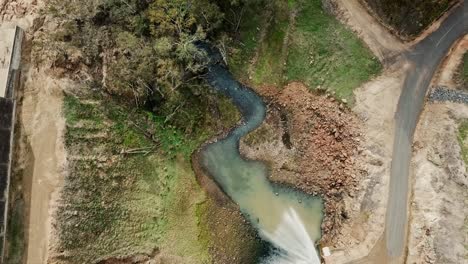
{"x": 424, "y": 59}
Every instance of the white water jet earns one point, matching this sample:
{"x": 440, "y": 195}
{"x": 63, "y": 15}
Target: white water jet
{"x": 292, "y": 241}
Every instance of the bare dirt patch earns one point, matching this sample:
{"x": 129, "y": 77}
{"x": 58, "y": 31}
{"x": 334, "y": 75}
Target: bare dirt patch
{"x": 377, "y": 37}
{"x": 437, "y": 231}
{"x": 43, "y": 127}
{"x": 41, "y": 130}
{"x": 360, "y": 236}
{"x": 311, "y": 142}
{"x": 449, "y": 75}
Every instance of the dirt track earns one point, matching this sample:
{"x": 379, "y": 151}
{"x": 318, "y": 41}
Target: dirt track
{"x": 382, "y": 44}
{"x": 363, "y": 237}
{"x": 43, "y": 126}
{"x": 410, "y": 107}
{"x": 41, "y": 146}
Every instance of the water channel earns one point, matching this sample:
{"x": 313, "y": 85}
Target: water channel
{"x": 288, "y": 219}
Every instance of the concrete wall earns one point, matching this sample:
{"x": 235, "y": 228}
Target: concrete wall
{"x": 10, "y": 58}
{"x": 7, "y": 38}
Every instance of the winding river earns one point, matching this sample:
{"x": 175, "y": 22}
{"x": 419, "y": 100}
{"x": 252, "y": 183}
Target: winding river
{"x": 290, "y": 220}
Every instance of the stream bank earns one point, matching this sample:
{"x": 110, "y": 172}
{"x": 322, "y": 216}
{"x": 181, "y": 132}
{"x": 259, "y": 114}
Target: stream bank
{"x": 311, "y": 142}
{"x": 266, "y": 205}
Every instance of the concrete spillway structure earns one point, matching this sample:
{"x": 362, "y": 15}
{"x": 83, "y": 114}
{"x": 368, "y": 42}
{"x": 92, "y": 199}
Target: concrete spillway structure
{"x": 10, "y": 57}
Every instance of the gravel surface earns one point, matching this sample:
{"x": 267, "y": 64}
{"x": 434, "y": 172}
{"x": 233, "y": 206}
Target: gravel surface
{"x": 441, "y": 94}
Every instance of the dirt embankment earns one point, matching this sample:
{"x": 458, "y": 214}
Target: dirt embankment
{"x": 39, "y": 155}
{"x": 438, "y": 224}
{"x": 385, "y": 46}
{"x": 451, "y": 73}
{"x": 240, "y": 241}
{"x": 438, "y": 211}
{"x": 43, "y": 126}
{"x": 310, "y": 142}
{"x": 376, "y": 102}
{"x": 408, "y": 18}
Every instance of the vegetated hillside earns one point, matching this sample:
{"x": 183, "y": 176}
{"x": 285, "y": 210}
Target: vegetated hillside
{"x": 409, "y": 17}
{"x": 143, "y": 51}
{"x": 299, "y": 41}
{"x": 130, "y": 190}
{"x": 139, "y": 110}
{"x": 142, "y": 108}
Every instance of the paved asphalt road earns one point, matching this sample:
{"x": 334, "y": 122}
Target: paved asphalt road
{"x": 424, "y": 59}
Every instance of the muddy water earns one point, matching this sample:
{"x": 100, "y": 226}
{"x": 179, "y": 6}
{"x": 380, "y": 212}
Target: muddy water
{"x": 245, "y": 181}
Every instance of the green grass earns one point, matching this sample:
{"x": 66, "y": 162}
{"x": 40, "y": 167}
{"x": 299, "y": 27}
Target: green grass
{"x": 124, "y": 201}
{"x": 321, "y": 52}
{"x": 463, "y": 140}
{"x": 325, "y": 54}
{"x": 292, "y": 4}
{"x": 184, "y": 227}
{"x": 269, "y": 67}
{"x": 242, "y": 51}
{"x": 119, "y": 204}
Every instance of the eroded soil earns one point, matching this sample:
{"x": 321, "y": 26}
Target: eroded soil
{"x": 311, "y": 142}
{"x": 438, "y": 211}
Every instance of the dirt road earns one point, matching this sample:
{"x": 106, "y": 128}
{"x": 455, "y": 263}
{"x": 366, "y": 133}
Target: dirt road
{"x": 41, "y": 136}
{"x": 377, "y": 37}
{"x": 43, "y": 127}
{"x": 424, "y": 59}
{"x": 364, "y": 239}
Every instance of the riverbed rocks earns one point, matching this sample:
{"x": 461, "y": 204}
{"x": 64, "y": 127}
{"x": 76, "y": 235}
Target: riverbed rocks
{"x": 310, "y": 141}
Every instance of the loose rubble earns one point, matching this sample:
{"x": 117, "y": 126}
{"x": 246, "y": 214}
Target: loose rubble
{"x": 442, "y": 94}
{"x": 311, "y": 142}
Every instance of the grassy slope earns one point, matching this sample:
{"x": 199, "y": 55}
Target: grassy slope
{"x": 268, "y": 69}
{"x": 119, "y": 204}
{"x": 321, "y": 52}
{"x": 241, "y": 55}
{"x": 326, "y": 54}
{"x": 153, "y": 200}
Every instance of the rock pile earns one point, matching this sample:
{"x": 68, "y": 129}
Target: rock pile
{"x": 441, "y": 94}
{"x": 322, "y": 159}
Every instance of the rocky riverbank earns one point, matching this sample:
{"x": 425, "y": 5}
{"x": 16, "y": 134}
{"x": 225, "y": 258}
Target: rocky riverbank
{"x": 311, "y": 142}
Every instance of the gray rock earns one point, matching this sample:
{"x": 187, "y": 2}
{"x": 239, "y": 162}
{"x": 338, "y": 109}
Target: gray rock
{"x": 442, "y": 94}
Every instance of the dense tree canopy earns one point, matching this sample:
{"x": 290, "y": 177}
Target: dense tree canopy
{"x": 145, "y": 50}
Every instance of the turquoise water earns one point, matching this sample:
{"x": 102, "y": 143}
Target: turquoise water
{"x": 245, "y": 181}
